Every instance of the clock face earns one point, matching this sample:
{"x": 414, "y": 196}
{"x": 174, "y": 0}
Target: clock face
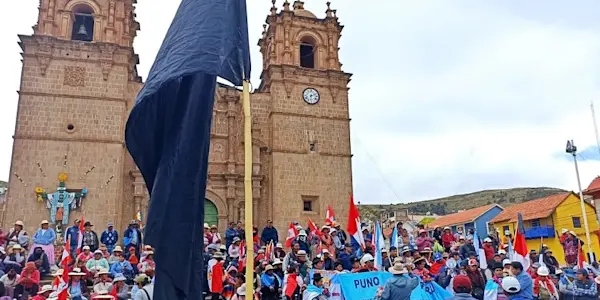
{"x": 311, "y": 96}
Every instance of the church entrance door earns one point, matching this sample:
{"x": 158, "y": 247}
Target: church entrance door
{"x": 211, "y": 213}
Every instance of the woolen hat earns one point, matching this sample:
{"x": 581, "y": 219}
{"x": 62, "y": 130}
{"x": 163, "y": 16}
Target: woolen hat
{"x": 461, "y": 281}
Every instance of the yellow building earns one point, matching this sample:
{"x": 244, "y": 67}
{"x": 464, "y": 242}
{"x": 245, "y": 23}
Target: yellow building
{"x": 545, "y": 218}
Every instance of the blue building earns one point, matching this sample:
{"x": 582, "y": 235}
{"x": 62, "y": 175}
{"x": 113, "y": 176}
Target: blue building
{"x": 476, "y": 218}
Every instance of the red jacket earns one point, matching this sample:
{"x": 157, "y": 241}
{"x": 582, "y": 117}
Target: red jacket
{"x": 489, "y": 251}
{"x": 447, "y": 239}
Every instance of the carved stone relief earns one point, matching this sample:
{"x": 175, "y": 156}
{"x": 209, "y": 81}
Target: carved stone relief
{"x": 74, "y": 76}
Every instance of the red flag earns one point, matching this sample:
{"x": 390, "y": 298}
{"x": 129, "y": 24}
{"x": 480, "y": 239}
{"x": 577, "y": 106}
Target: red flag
{"x": 291, "y": 285}
{"x": 80, "y": 236}
{"x": 330, "y": 217}
{"x": 63, "y": 288}
{"x": 242, "y": 257}
{"x": 521, "y": 254}
{"x": 269, "y": 251}
{"x": 354, "y": 224}
{"x": 292, "y": 233}
{"x": 114, "y": 291}
{"x": 580, "y": 256}
{"x": 66, "y": 256}
{"x": 313, "y": 228}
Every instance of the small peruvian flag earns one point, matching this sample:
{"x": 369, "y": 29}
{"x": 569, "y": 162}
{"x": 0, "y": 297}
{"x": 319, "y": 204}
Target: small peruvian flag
{"x": 330, "y": 217}
{"x": 292, "y": 234}
{"x": 313, "y": 228}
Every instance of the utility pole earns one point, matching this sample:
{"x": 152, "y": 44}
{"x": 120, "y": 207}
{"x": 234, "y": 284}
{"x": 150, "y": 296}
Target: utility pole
{"x": 572, "y": 149}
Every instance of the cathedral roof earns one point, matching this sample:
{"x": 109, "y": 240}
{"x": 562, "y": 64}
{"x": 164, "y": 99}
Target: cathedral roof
{"x": 304, "y": 13}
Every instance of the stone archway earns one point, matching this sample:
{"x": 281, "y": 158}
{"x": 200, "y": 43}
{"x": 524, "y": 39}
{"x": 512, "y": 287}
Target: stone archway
{"x": 221, "y": 207}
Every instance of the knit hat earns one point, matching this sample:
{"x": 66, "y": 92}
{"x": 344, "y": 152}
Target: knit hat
{"x": 461, "y": 281}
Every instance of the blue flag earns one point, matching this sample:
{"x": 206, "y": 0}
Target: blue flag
{"x": 168, "y": 134}
{"x": 394, "y": 238}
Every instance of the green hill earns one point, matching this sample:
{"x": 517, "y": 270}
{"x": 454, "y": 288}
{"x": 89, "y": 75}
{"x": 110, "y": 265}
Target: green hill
{"x": 452, "y": 204}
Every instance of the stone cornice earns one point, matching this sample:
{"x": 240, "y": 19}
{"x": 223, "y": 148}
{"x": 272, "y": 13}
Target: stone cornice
{"x": 291, "y": 114}
{"x": 69, "y": 139}
{"x": 36, "y": 94}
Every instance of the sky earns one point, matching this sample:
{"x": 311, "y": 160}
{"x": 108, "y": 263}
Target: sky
{"x": 447, "y": 97}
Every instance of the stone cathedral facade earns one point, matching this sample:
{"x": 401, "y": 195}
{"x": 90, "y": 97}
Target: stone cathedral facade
{"x": 79, "y": 81}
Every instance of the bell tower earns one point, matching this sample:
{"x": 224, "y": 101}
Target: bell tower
{"x": 308, "y": 122}
{"x": 78, "y": 82}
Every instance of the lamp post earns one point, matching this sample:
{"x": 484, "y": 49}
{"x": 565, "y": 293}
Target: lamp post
{"x": 572, "y": 149}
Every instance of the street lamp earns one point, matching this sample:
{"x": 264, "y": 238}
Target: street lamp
{"x": 572, "y": 149}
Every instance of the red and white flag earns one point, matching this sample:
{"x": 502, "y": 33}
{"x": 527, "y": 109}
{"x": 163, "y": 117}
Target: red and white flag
{"x": 65, "y": 260}
{"x": 269, "y": 251}
{"x": 242, "y": 257}
{"x": 292, "y": 234}
{"x": 521, "y": 254}
{"x": 63, "y": 287}
{"x": 330, "y": 217}
{"x": 354, "y": 224}
{"x": 80, "y": 236}
{"x": 313, "y": 228}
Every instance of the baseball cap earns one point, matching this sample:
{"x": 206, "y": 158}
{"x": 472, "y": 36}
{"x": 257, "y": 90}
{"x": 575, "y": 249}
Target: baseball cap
{"x": 461, "y": 281}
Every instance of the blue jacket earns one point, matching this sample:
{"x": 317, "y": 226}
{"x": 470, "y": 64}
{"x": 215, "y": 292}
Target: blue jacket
{"x": 399, "y": 287}
{"x": 109, "y": 238}
{"x": 128, "y": 237}
{"x": 46, "y": 238}
{"x": 229, "y": 235}
{"x": 72, "y": 235}
{"x": 269, "y": 234}
{"x": 526, "y": 287}
{"x": 346, "y": 260}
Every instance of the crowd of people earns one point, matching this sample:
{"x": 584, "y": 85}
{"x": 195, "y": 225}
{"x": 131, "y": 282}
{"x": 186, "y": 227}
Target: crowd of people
{"x": 97, "y": 268}
{"x": 106, "y": 266}
{"x": 447, "y": 258}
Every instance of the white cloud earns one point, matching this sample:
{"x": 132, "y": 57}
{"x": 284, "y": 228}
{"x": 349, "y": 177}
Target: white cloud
{"x": 454, "y": 96}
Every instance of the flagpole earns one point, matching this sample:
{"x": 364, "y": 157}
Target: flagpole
{"x": 248, "y": 205}
{"x": 572, "y": 149}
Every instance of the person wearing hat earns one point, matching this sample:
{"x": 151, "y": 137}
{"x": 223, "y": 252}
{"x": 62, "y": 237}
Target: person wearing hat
{"x": 340, "y": 233}
{"x": 571, "y": 248}
{"x": 543, "y": 287}
{"x": 303, "y": 263}
{"x": 278, "y": 267}
{"x": 234, "y": 249}
{"x": 216, "y": 275}
{"x": 103, "y": 295}
{"x": 279, "y": 252}
{"x": 122, "y": 266}
{"x": 148, "y": 265}
{"x": 39, "y": 257}
{"x": 423, "y": 240}
{"x": 90, "y": 237}
{"x": 103, "y": 283}
{"x": 44, "y": 238}
{"x": 368, "y": 263}
{"x": 447, "y": 239}
{"x": 345, "y": 257}
{"x": 86, "y": 254}
{"x": 132, "y": 237}
{"x": 97, "y": 263}
{"x": 532, "y": 271}
{"x": 15, "y": 258}
{"x": 269, "y": 234}
{"x": 145, "y": 288}
{"x": 116, "y": 253}
{"x": 43, "y": 293}
{"x": 400, "y": 286}
{"x": 477, "y": 278}
{"x": 109, "y": 237}
{"x": 551, "y": 261}
{"x": 583, "y": 287}
{"x": 304, "y": 243}
{"x": 270, "y": 284}
{"x": 461, "y": 285}
{"x": 512, "y": 288}
{"x": 240, "y": 293}
{"x": 17, "y": 235}
{"x": 122, "y": 289}
{"x": 327, "y": 260}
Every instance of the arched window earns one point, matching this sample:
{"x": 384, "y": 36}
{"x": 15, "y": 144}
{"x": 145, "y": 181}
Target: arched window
{"x": 83, "y": 24}
{"x": 307, "y": 52}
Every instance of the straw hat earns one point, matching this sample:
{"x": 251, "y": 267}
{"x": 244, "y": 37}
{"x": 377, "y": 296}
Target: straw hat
{"x": 20, "y": 223}
{"x": 17, "y": 247}
{"x": 119, "y": 277}
{"x": 268, "y": 268}
{"x": 398, "y": 268}
{"x": 279, "y": 245}
{"x": 59, "y": 272}
{"x": 44, "y": 222}
{"x": 45, "y": 288}
{"x": 118, "y": 249}
{"x": 218, "y": 255}
{"x": 277, "y": 261}
{"x": 103, "y": 272}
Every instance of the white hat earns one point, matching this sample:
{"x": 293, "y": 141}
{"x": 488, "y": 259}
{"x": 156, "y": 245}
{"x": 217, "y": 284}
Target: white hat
{"x": 20, "y": 223}
{"x": 572, "y": 232}
{"x": 558, "y": 272}
{"x": 487, "y": 240}
{"x": 76, "y": 272}
{"x": 384, "y": 250}
{"x": 366, "y": 258}
{"x": 118, "y": 249}
{"x": 333, "y": 230}
{"x": 103, "y": 271}
{"x": 325, "y": 227}
{"x": 506, "y": 262}
{"x": 398, "y": 268}
{"x": 301, "y": 252}
{"x": 236, "y": 239}
{"x": 511, "y": 284}
{"x": 325, "y": 251}
{"x": 98, "y": 252}
{"x": 45, "y": 288}
{"x": 119, "y": 277}
{"x": 279, "y": 245}
{"x": 268, "y": 268}
{"x": 44, "y": 222}
{"x": 59, "y": 272}
{"x": 17, "y": 247}
{"x": 506, "y": 232}
{"x": 242, "y": 290}
{"x": 218, "y": 255}
{"x": 85, "y": 248}
{"x": 460, "y": 237}
{"x": 206, "y": 225}
{"x": 501, "y": 251}
{"x": 543, "y": 271}
{"x": 277, "y": 261}
{"x": 447, "y": 228}
{"x": 302, "y": 232}
{"x": 564, "y": 230}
